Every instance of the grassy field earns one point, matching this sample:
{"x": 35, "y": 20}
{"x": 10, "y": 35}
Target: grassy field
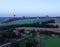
{"x": 49, "y": 41}
{"x": 26, "y": 21}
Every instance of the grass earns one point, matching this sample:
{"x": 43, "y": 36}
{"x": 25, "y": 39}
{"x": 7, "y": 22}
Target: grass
{"x": 26, "y": 21}
{"x": 49, "y": 41}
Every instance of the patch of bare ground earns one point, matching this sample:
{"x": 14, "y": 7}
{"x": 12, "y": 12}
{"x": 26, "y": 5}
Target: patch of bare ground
{"x": 36, "y": 28}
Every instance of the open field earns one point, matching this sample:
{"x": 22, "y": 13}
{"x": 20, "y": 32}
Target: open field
{"x": 20, "y": 22}
{"x": 24, "y": 21}
{"x": 49, "y": 41}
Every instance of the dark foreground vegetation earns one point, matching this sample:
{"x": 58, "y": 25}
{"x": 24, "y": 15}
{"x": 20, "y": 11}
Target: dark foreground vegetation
{"x": 8, "y": 35}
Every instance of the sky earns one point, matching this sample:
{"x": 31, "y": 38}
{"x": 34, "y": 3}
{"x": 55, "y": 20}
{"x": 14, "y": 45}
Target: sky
{"x": 29, "y": 7}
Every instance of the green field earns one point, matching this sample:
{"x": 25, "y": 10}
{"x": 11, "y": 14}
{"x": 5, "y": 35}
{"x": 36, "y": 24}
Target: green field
{"x": 26, "y": 21}
{"x": 49, "y": 41}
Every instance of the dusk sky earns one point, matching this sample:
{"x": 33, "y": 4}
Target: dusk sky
{"x": 30, "y": 7}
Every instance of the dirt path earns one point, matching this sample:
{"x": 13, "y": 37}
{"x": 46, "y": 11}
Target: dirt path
{"x": 36, "y": 28}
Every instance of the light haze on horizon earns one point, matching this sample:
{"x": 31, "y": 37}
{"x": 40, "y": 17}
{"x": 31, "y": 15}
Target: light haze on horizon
{"x": 29, "y": 7}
